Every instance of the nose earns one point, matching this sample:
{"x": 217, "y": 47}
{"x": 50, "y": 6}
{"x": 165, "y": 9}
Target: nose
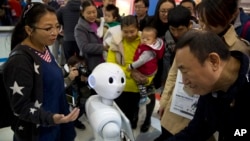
{"x": 175, "y": 34}
{"x": 129, "y": 35}
{"x": 55, "y": 31}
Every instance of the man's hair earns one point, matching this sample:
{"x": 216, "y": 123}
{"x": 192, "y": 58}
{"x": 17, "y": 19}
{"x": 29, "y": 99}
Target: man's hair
{"x": 112, "y": 8}
{"x": 202, "y": 43}
{"x": 179, "y": 16}
{"x": 73, "y": 60}
{"x": 149, "y": 29}
{"x": 146, "y": 2}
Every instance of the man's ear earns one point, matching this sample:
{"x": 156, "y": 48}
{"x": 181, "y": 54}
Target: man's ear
{"x": 214, "y": 60}
{"x": 28, "y": 30}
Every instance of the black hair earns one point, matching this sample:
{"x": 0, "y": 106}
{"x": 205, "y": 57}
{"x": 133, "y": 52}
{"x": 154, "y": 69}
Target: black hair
{"x": 73, "y": 60}
{"x": 146, "y": 2}
{"x": 202, "y": 43}
{"x": 30, "y": 16}
{"x": 129, "y": 20}
{"x": 157, "y": 12}
{"x": 115, "y": 10}
{"x": 179, "y": 16}
{"x": 217, "y": 12}
{"x": 156, "y": 21}
{"x": 191, "y": 1}
{"x": 84, "y": 5}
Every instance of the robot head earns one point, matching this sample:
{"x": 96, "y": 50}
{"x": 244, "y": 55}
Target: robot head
{"x": 108, "y": 80}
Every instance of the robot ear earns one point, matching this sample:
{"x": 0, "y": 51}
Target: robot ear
{"x": 91, "y": 81}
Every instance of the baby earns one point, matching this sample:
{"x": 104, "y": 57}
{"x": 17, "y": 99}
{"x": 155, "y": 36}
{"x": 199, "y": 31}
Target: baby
{"x": 110, "y": 29}
{"x": 146, "y": 58}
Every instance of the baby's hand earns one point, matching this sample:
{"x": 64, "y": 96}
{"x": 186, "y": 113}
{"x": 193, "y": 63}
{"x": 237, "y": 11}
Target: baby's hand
{"x": 106, "y": 48}
{"x": 128, "y": 68}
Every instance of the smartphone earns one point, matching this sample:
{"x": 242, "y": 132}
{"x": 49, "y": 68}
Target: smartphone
{"x": 71, "y": 100}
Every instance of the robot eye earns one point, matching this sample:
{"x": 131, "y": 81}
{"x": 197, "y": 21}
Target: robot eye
{"x": 111, "y": 80}
{"x": 122, "y": 80}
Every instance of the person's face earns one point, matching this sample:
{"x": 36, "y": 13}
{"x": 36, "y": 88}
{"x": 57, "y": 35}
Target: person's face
{"x": 148, "y": 37}
{"x": 205, "y": 26}
{"x": 163, "y": 11}
{"x": 90, "y": 13}
{"x": 46, "y": 30}
{"x": 107, "y": 2}
{"x": 140, "y": 9}
{"x": 130, "y": 32}
{"x": 189, "y": 6}
{"x": 177, "y": 32}
{"x": 199, "y": 78}
{"x": 108, "y": 16}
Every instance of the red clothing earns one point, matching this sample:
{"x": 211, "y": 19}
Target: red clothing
{"x": 151, "y": 66}
{"x": 16, "y": 8}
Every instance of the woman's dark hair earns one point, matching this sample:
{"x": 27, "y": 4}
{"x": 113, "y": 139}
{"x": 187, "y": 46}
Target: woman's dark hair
{"x": 217, "y": 12}
{"x": 129, "y": 20}
{"x": 30, "y": 16}
{"x": 85, "y": 4}
{"x": 156, "y": 21}
{"x": 157, "y": 10}
{"x": 202, "y": 43}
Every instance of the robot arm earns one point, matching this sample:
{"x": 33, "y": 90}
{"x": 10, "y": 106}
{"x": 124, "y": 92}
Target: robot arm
{"x": 111, "y": 132}
{"x": 104, "y": 119}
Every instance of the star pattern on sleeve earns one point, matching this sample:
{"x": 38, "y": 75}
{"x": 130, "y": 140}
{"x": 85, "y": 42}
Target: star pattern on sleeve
{"x": 20, "y": 128}
{"x": 16, "y": 88}
{"x": 16, "y": 114}
{"x": 36, "y": 68}
{"x": 32, "y": 110}
{"x": 37, "y": 104}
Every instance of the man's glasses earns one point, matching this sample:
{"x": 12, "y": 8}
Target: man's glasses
{"x": 50, "y": 30}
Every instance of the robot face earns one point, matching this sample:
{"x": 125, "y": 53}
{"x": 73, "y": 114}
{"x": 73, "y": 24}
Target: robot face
{"x": 108, "y": 80}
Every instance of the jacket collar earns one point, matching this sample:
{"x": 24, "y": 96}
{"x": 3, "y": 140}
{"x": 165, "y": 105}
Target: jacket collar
{"x": 230, "y": 36}
{"x": 85, "y": 24}
{"x": 243, "y": 76}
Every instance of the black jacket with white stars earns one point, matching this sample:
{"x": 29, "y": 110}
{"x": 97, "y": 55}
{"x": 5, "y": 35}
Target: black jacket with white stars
{"x": 33, "y": 105}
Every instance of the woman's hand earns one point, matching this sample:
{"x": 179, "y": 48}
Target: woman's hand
{"x": 139, "y": 77}
{"x": 61, "y": 118}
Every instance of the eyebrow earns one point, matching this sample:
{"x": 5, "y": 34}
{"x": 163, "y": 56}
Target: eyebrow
{"x": 181, "y": 67}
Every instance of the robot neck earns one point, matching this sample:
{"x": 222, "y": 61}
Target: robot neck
{"x": 107, "y": 101}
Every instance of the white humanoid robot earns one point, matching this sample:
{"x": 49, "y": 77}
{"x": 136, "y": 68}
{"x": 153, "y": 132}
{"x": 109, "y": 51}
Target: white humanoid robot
{"x": 106, "y": 119}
